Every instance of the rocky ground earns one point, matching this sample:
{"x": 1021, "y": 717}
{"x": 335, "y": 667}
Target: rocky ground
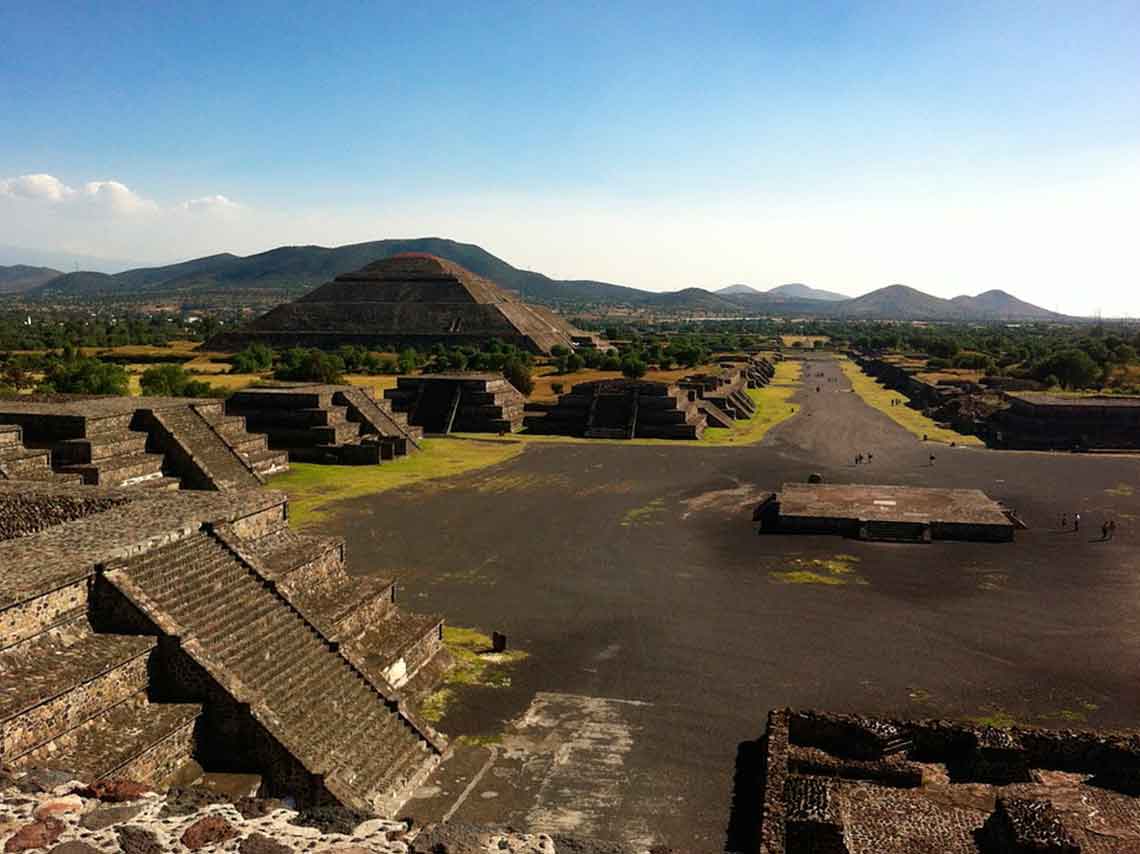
{"x": 50, "y": 810}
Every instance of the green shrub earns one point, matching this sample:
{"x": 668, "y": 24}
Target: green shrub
{"x": 518, "y": 373}
{"x": 633, "y": 368}
{"x": 172, "y": 381}
{"x": 80, "y": 375}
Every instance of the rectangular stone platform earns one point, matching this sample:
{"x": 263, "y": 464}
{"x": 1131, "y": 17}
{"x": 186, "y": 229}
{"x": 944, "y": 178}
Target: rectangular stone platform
{"x": 882, "y": 512}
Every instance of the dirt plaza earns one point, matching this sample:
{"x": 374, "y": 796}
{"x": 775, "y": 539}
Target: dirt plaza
{"x": 633, "y": 577}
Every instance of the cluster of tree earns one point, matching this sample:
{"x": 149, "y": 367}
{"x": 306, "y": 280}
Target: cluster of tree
{"x": 54, "y": 330}
{"x": 175, "y": 381}
{"x": 71, "y": 373}
{"x": 309, "y": 365}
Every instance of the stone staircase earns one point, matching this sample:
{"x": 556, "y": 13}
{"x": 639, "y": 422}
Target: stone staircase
{"x": 325, "y": 423}
{"x": 388, "y": 644}
{"x": 377, "y": 417}
{"x": 69, "y": 696}
{"x": 20, "y": 463}
{"x": 194, "y": 448}
{"x": 253, "y": 448}
{"x": 268, "y": 652}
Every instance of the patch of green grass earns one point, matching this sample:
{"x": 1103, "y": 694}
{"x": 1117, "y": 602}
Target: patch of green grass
{"x": 1123, "y": 490}
{"x": 648, "y": 514}
{"x": 313, "y": 488}
{"x": 997, "y": 718}
{"x": 475, "y": 664}
{"x": 880, "y": 397}
{"x": 772, "y": 408}
{"x": 832, "y": 572}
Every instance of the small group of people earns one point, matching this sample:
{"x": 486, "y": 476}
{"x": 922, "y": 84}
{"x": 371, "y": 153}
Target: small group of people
{"x": 896, "y": 401}
{"x": 863, "y": 458}
{"x": 1107, "y": 528}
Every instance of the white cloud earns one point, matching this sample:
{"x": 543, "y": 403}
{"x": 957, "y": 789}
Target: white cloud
{"x": 37, "y": 187}
{"x": 209, "y": 203}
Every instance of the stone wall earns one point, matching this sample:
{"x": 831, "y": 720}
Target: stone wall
{"x": 21, "y": 515}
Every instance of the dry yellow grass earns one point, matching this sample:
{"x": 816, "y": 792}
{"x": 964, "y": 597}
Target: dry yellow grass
{"x": 880, "y": 398}
{"x": 803, "y": 340}
{"x": 377, "y": 383}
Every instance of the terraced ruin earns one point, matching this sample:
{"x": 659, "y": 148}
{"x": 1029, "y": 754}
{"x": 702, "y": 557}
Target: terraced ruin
{"x": 860, "y": 785}
{"x": 152, "y": 636}
{"x": 153, "y": 443}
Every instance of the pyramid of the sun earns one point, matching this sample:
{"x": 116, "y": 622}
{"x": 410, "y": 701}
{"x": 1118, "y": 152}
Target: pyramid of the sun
{"x": 409, "y": 300}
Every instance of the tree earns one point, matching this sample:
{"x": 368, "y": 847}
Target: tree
{"x": 310, "y": 365}
{"x": 254, "y": 359}
{"x": 80, "y": 375}
{"x": 633, "y": 368}
{"x": 518, "y": 373}
{"x": 172, "y": 381}
{"x": 574, "y": 362}
{"x": 1071, "y": 367}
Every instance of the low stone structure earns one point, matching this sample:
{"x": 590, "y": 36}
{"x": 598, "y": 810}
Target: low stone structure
{"x": 142, "y": 631}
{"x": 622, "y": 409}
{"x": 880, "y": 512}
{"x": 1043, "y": 421}
{"x": 846, "y": 784}
{"x": 465, "y": 402}
{"x": 153, "y": 442}
{"x": 721, "y": 395}
{"x": 313, "y": 422}
{"x": 408, "y": 300}
{"x": 758, "y": 368}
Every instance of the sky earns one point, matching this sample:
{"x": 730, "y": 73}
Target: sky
{"x": 952, "y": 147}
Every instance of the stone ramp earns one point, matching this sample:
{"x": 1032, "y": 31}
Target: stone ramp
{"x": 194, "y": 448}
{"x": 379, "y": 420}
{"x": 264, "y": 652}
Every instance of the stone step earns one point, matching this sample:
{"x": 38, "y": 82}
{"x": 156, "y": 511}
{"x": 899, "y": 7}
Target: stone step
{"x": 10, "y": 434}
{"x": 118, "y": 471}
{"x": 55, "y": 685}
{"x": 203, "y": 458}
{"x": 266, "y": 462}
{"x": 300, "y": 560}
{"x": 134, "y": 739}
{"x": 160, "y": 484}
{"x": 249, "y": 443}
{"x": 19, "y": 463}
{"x": 80, "y": 451}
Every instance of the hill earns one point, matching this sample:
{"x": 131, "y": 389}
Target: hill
{"x": 21, "y": 277}
{"x": 1000, "y": 305}
{"x": 798, "y": 291}
{"x": 737, "y": 290}
{"x": 287, "y": 271}
{"x": 898, "y": 302}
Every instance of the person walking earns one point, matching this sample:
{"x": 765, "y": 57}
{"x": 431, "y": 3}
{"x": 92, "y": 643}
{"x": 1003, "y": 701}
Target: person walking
{"x": 1076, "y": 522}
{"x": 1104, "y": 531}
{"x": 1064, "y": 521}
{"x": 1111, "y": 528}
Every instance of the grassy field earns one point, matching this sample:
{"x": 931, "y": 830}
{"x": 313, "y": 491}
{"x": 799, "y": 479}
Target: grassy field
{"x": 772, "y": 407}
{"x": 805, "y": 341}
{"x": 313, "y": 488}
{"x": 880, "y": 398}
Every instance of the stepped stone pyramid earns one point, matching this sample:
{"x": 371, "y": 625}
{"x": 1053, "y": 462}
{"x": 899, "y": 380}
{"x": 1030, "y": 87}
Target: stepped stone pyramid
{"x": 149, "y": 442}
{"x": 409, "y": 300}
{"x": 467, "y": 402}
{"x": 622, "y": 409}
{"x": 143, "y": 631}
{"x": 340, "y": 424}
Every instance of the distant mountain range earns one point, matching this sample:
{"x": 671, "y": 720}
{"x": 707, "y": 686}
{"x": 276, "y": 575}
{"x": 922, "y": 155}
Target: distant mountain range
{"x": 20, "y": 277}
{"x": 792, "y": 291}
{"x": 290, "y": 270}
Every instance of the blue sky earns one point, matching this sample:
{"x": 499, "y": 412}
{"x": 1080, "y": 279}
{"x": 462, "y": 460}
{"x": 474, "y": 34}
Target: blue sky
{"x": 846, "y": 145}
